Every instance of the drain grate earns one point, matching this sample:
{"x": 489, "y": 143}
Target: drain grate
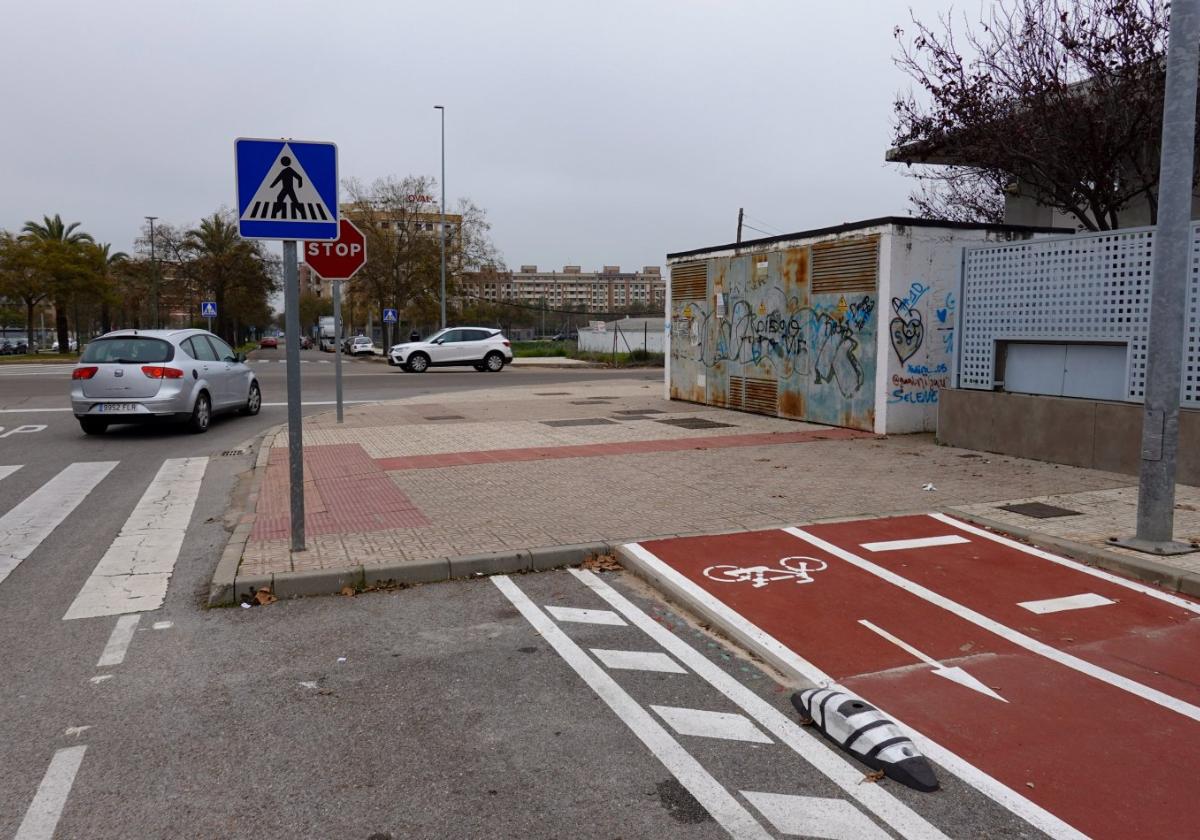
{"x": 231, "y": 452}
{"x": 1039, "y": 510}
{"x": 446, "y": 417}
{"x": 552, "y": 393}
{"x": 633, "y": 411}
{"x": 695, "y": 423}
{"x": 586, "y": 421}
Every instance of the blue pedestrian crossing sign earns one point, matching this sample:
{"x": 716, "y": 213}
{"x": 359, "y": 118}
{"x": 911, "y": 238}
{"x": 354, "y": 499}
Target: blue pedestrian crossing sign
{"x": 389, "y": 316}
{"x": 208, "y": 309}
{"x": 286, "y": 189}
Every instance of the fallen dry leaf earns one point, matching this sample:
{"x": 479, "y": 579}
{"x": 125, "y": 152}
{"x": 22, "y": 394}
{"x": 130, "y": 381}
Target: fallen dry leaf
{"x": 348, "y": 591}
{"x": 873, "y": 776}
{"x": 265, "y": 596}
{"x": 601, "y": 563}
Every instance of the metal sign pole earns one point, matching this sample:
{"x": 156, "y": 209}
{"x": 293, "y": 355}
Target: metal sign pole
{"x": 337, "y": 331}
{"x": 1172, "y": 276}
{"x": 291, "y": 305}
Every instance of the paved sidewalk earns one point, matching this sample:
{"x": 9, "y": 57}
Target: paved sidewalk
{"x": 404, "y": 490}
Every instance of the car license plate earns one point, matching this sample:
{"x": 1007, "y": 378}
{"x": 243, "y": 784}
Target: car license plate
{"x": 116, "y": 408}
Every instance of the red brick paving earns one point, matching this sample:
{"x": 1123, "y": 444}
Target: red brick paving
{"x": 345, "y": 491}
{"x": 592, "y": 450}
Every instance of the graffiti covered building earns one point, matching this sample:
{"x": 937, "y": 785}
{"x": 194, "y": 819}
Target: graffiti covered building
{"x": 847, "y": 326}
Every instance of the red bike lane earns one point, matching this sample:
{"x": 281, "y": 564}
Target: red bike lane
{"x": 1063, "y": 708}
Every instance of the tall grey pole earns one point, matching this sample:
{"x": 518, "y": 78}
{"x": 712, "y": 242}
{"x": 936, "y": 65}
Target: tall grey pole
{"x": 1168, "y": 300}
{"x": 337, "y": 358}
{"x": 291, "y": 307}
{"x": 442, "y": 225}
{"x": 153, "y": 275}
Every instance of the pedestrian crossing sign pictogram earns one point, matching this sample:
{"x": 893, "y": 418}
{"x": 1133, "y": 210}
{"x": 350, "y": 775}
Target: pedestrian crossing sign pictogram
{"x": 208, "y": 309}
{"x": 286, "y": 189}
{"x": 389, "y": 316}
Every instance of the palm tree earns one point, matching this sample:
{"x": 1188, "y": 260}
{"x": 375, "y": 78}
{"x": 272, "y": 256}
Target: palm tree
{"x": 56, "y": 230}
{"x": 61, "y": 246}
{"x": 235, "y": 272}
{"x": 108, "y": 261}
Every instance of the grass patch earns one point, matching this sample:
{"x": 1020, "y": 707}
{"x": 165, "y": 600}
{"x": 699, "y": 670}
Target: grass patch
{"x": 39, "y": 358}
{"x": 529, "y": 349}
{"x": 638, "y": 358}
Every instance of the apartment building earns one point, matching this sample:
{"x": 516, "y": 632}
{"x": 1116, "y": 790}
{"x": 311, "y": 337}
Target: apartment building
{"x": 607, "y": 290}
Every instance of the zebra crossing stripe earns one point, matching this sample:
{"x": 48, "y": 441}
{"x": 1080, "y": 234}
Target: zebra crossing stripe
{"x": 24, "y": 527}
{"x": 133, "y": 574}
{"x": 5, "y": 472}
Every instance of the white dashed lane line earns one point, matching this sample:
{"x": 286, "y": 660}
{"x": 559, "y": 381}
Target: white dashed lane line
{"x": 42, "y": 817}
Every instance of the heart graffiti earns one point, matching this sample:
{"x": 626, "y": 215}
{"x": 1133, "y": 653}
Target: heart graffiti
{"x": 907, "y": 329}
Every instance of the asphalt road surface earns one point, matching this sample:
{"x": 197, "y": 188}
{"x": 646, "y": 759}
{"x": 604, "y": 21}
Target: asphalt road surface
{"x": 463, "y": 709}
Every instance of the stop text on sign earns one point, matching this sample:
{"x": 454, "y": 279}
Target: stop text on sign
{"x": 332, "y": 249}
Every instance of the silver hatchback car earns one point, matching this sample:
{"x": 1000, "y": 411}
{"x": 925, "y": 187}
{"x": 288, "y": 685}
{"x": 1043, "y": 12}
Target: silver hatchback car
{"x": 133, "y": 376}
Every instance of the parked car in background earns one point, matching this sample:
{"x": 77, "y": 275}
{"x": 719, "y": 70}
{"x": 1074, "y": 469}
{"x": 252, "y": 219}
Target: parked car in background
{"x": 483, "y": 348}
{"x": 268, "y": 342}
{"x": 145, "y": 375}
{"x": 361, "y": 345}
{"x": 72, "y": 342}
{"x": 306, "y": 343}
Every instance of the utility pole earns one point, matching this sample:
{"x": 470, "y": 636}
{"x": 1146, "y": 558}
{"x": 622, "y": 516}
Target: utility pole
{"x": 741, "y": 211}
{"x": 442, "y": 226}
{"x": 1168, "y": 300}
{"x": 153, "y": 276}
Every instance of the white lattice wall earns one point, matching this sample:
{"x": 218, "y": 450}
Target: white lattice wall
{"x": 1088, "y": 287}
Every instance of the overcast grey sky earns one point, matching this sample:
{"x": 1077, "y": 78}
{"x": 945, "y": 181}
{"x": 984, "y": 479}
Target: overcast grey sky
{"x": 604, "y": 132}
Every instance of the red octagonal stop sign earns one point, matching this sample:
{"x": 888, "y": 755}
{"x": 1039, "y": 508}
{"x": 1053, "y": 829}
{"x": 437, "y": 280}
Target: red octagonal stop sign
{"x": 339, "y": 259}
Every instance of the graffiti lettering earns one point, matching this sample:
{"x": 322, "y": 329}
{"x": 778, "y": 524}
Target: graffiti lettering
{"x": 906, "y": 328}
{"x": 926, "y": 370}
{"x": 899, "y": 395}
{"x": 916, "y": 291}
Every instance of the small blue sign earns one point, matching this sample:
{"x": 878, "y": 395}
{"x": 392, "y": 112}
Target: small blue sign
{"x": 286, "y": 189}
{"x": 208, "y": 309}
{"x": 389, "y": 316}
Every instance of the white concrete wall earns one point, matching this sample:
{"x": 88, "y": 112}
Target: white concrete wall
{"x": 918, "y": 302}
{"x": 629, "y": 339}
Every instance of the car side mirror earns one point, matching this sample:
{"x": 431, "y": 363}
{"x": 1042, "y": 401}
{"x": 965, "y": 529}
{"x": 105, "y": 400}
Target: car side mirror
{"x": 438, "y": 340}
{"x": 240, "y": 357}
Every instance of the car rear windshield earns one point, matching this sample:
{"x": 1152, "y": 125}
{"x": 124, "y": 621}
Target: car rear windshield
{"x": 127, "y": 350}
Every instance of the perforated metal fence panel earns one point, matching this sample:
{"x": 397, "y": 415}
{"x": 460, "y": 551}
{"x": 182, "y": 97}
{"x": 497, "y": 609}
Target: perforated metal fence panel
{"x": 1087, "y": 288}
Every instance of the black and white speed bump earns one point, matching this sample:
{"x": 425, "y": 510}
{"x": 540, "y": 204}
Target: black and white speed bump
{"x": 863, "y": 731}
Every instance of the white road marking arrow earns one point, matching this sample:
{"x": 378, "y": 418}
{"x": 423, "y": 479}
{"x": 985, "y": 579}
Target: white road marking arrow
{"x": 953, "y": 673}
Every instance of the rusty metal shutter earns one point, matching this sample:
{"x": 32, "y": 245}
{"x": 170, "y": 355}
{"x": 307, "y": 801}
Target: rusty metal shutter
{"x": 846, "y": 265}
{"x": 750, "y": 394}
{"x": 689, "y": 281}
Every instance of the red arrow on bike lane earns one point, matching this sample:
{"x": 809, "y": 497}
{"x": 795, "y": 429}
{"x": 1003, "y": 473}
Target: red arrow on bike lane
{"x": 1084, "y": 749}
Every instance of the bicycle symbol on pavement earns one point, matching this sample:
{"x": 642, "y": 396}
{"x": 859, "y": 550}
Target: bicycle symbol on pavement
{"x": 798, "y": 569}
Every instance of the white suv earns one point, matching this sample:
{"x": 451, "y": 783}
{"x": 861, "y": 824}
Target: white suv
{"x": 481, "y": 347}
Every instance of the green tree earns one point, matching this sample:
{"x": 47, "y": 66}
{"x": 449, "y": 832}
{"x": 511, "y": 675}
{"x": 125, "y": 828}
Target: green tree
{"x": 61, "y": 257}
{"x": 19, "y": 278}
{"x": 235, "y": 271}
{"x": 106, "y": 264}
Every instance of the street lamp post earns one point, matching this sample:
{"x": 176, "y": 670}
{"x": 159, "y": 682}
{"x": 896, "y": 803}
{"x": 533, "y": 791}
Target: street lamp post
{"x": 442, "y": 225}
{"x": 153, "y": 275}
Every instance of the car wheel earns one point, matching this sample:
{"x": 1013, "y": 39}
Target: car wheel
{"x": 254, "y": 401}
{"x": 418, "y": 362}
{"x": 93, "y": 425}
{"x": 494, "y": 362}
{"x": 201, "y": 414}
